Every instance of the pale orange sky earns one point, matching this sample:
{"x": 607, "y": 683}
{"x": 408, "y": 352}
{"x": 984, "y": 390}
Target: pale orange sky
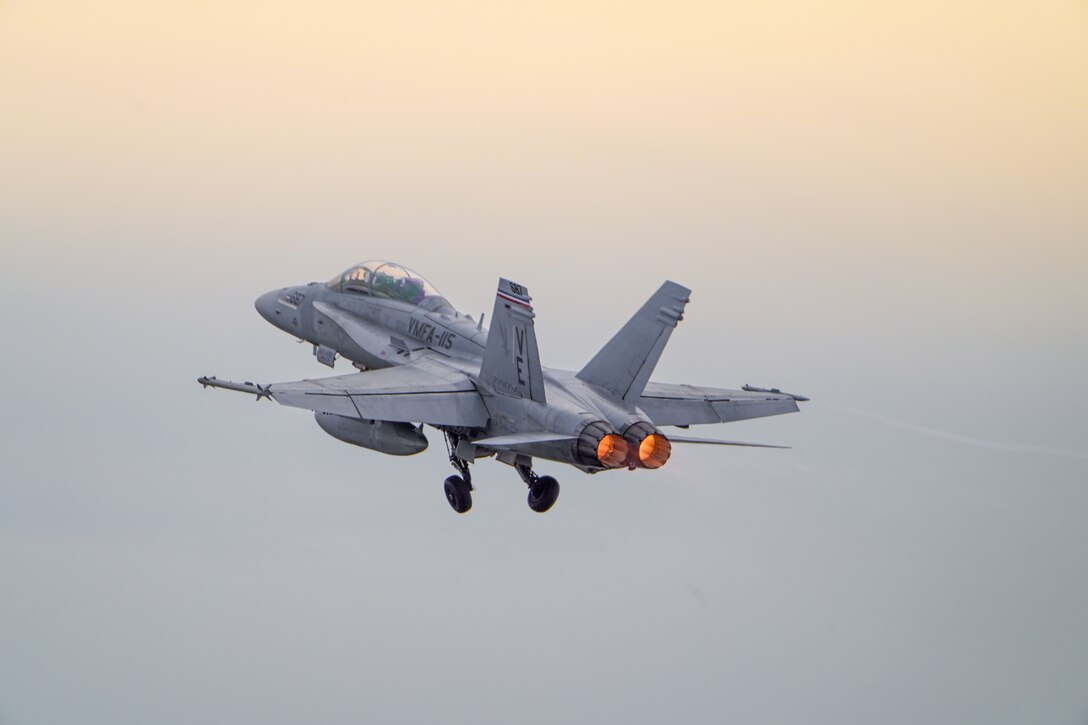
{"x": 936, "y": 95}
{"x": 815, "y": 135}
{"x": 880, "y": 205}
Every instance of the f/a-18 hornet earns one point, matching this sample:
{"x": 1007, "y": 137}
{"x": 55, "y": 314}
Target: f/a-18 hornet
{"x": 422, "y": 362}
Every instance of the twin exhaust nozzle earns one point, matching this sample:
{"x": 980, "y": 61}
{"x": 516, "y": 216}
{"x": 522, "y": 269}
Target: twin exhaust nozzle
{"x": 638, "y": 449}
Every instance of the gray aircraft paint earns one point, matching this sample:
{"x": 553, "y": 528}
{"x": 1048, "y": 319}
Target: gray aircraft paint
{"x": 423, "y": 363}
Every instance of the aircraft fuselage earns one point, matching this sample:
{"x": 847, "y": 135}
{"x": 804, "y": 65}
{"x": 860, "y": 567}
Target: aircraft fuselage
{"x": 425, "y": 363}
{"x": 372, "y": 332}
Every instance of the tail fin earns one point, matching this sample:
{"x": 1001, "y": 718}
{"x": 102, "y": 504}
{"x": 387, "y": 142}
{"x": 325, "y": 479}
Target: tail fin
{"x": 511, "y": 363}
{"x": 624, "y": 365}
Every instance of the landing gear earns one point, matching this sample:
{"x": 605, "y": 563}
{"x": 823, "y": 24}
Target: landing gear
{"x": 458, "y": 494}
{"x": 543, "y": 490}
{"x": 458, "y": 488}
{"x": 543, "y": 493}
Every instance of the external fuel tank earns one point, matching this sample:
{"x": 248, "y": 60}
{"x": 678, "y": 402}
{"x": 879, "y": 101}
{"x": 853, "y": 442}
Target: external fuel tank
{"x": 398, "y": 439}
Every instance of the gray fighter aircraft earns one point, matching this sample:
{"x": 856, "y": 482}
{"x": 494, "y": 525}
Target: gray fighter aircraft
{"x": 422, "y": 362}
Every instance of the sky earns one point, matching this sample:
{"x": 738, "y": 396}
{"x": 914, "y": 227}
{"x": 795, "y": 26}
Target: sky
{"x": 883, "y": 206}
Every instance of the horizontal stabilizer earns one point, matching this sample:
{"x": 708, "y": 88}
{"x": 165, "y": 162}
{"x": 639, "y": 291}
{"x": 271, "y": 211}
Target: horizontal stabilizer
{"x": 715, "y": 442}
{"x": 521, "y": 439}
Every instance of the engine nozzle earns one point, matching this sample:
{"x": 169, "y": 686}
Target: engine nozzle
{"x": 647, "y": 446}
{"x": 597, "y": 446}
{"x": 654, "y": 450}
{"x": 612, "y": 451}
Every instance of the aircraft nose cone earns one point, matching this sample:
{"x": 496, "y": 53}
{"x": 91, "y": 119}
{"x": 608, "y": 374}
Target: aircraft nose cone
{"x": 266, "y": 305}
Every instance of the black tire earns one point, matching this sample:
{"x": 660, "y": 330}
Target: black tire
{"x": 543, "y": 493}
{"x": 458, "y": 494}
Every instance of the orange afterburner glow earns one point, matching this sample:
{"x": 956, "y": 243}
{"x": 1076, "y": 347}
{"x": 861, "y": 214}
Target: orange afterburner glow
{"x": 654, "y": 450}
{"x": 612, "y": 451}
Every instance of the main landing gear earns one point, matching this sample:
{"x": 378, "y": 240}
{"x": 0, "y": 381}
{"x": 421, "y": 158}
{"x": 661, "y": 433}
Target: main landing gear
{"x": 458, "y": 493}
{"x": 543, "y": 490}
{"x": 458, "y": 488}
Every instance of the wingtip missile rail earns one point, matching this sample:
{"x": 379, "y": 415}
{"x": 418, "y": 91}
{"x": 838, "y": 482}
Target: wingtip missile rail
{"x": 261, "y": 391}
{"x": 776, "y": 391}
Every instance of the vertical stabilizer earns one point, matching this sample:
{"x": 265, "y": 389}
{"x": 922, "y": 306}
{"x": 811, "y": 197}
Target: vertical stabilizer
{"x": 624, "y": 365}
{"x": 511, "y": 363}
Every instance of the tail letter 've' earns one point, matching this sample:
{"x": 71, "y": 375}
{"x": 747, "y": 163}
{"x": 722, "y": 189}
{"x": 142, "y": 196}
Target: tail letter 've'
{"x": 624, "y": 365}
{"x": 511, "y": 361}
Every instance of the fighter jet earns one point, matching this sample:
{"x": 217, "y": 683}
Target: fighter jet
{"x": 421, "y": 362}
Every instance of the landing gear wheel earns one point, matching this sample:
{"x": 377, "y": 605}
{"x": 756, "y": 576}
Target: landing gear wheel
{"x": 542, "y": 494}
{"x": 458, "y": 494}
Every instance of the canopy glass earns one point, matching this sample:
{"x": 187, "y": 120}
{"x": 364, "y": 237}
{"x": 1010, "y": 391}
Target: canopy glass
{"x": 391, "y": 281}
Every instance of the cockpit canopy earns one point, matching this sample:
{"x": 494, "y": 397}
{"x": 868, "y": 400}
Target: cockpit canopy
{"x": 391, "y": 281}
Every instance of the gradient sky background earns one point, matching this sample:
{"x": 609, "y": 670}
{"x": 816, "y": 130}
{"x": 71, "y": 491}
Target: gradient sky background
{"x": 881, "y": 205}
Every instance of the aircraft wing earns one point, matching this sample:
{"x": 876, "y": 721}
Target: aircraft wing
{"x": 668, "y": 404}
{"x": 421, "y": 392}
